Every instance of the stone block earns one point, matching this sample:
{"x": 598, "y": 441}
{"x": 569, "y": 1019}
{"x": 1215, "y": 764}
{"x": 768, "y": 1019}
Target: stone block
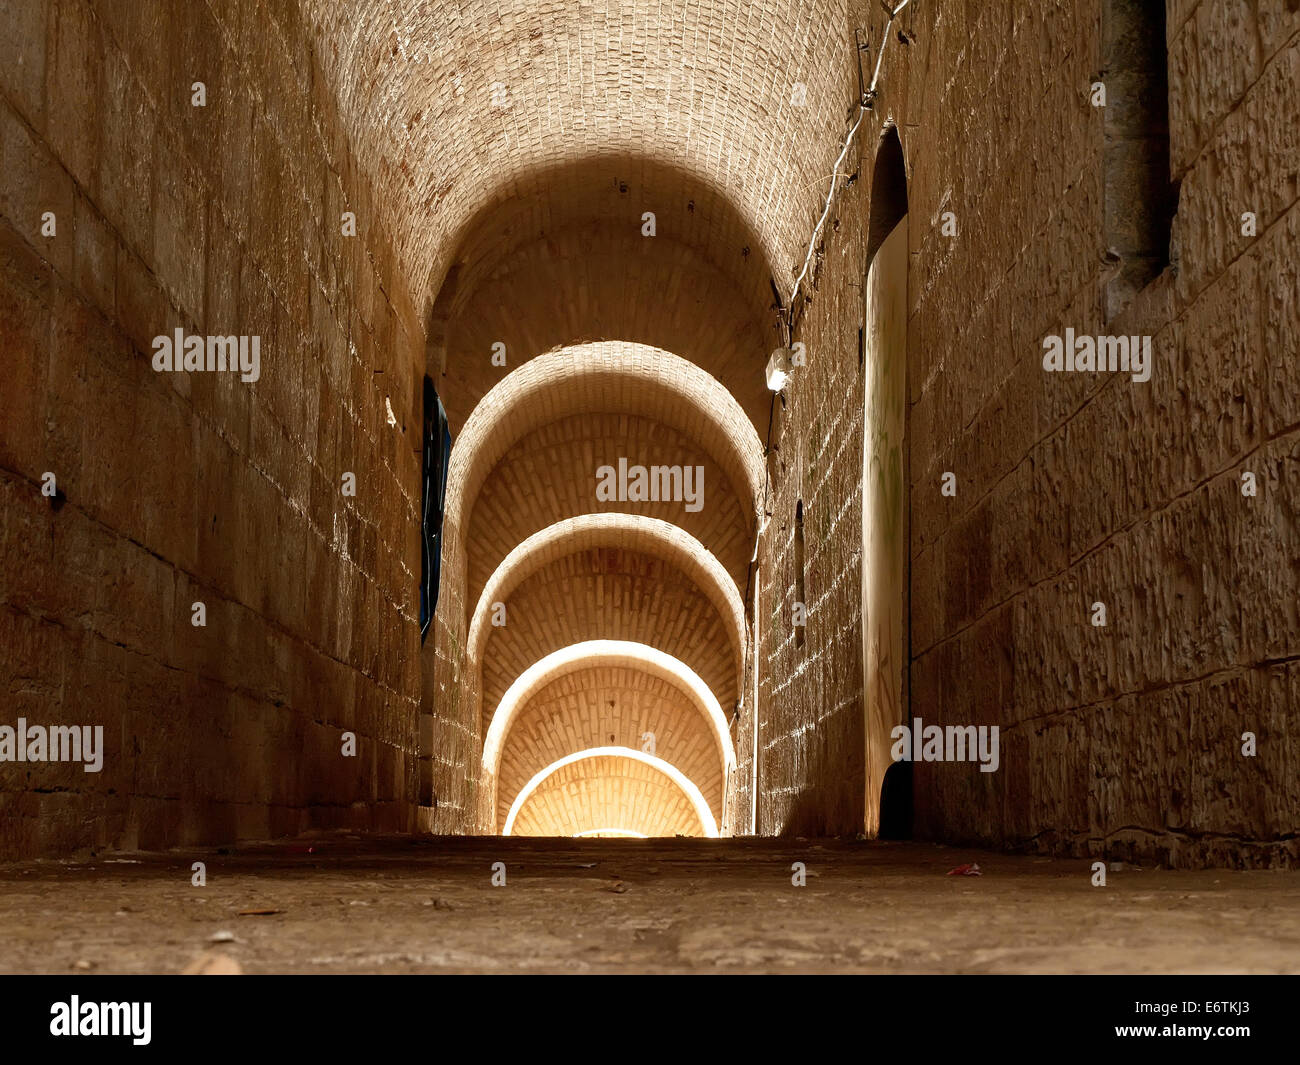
{"x": 73, "y": 122}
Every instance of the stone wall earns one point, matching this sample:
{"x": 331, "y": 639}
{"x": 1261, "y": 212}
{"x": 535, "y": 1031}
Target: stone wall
{"x": 1123, "y": 740}
{"x": 173, "y": 489}
{"x": 451, "y": 707}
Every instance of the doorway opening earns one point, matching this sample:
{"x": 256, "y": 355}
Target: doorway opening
{"x": 884, "y": 480}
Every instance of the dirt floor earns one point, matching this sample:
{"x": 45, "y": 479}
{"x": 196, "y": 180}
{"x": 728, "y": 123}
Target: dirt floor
{"x": 346, "y": 904}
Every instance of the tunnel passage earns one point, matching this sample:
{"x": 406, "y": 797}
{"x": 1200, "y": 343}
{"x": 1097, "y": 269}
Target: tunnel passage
{"x": 582, "y": 225}
{"x": 697, "y": 736}
{"x": 605, "y": 298}
{"x": 602, "y": 496}
{"x": 610, "y": 788}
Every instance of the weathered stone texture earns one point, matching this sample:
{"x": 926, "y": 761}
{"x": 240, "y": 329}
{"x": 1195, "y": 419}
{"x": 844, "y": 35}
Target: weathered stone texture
{"x": 1121, "y": 740}
{"x": 179, "y": 489}
{"x": 480, "y": 224}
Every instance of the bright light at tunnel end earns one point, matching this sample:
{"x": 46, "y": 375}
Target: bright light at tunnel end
{"x": 688, "y": 786}
{"x": 612, "y": 833}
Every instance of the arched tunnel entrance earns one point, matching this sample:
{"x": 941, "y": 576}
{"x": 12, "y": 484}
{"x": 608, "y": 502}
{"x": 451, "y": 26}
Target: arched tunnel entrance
{"x": 886, "y": 554}
{"x": 600, "y": 513}
{"x": 601, "y": 332}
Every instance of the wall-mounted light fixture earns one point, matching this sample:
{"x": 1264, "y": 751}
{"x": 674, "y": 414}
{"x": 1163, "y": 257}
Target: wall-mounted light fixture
{"x": 778, "y": 369}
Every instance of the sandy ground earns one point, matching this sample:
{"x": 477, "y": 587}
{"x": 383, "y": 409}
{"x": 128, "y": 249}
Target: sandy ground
{"x": 346, "y": 904}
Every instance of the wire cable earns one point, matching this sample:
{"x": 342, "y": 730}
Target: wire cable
{"x": 867, "y": 104}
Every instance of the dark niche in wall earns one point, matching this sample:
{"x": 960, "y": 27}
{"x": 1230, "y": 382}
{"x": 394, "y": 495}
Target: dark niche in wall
{"x": 1140, "y": 197}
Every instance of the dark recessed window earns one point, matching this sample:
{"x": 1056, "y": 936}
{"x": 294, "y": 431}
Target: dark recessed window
{"x": 433, "y": 499}
{"x": 1140, "y": 198}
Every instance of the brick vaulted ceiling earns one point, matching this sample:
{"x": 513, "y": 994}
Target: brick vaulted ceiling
{"x": 519, "y": 146}
{"x": 528, "y": 456}
{"x": 607, "y": 545}
{"x": 617, "y": 694}
{"x": 525, "y": 524}
{"x": 608, "y": 791}
{"x": 611, "y": 706}
{"x": 611, "y": 593}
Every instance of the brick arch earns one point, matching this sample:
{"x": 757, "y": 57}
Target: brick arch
{"x": 608, "y": 377}
{"x": 569, "y": 262}
{"x": 613, "y": 706}
{"x": 549, "y": 475}
{"x": 610, "y": 787}
{"x": 888, "y": 188}
{"x": 628, "y": 532}
{"x": 617, "y": 381}
{"x": 703, "y": 100}
{"x": 616, "y": 592}
{"x": 597, "y": 654}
